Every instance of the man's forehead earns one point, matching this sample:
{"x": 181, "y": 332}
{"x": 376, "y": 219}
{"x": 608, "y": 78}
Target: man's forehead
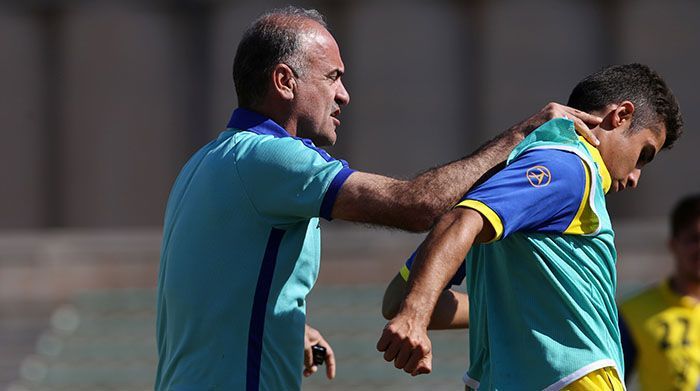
{"x": 320, "y": 45}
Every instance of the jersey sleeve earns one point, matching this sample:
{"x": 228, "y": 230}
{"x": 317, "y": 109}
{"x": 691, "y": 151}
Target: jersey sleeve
{"x": 289, "y": 179}
{"x": 455, "y": 280}
{"x": 543, "y": 190}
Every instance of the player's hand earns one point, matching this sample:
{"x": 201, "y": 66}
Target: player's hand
{"x": 582, "y": 121}
{"x": 311, "y": 338}
{"x": 407, "y": 345}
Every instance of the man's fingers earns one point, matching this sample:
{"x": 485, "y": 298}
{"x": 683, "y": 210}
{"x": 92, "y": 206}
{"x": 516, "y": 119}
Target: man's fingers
{"x": 403, "y": 356}
{"x": 585, "y": 117}
{"x": 310, "y": 370}
{"x": 425, "y": 365}
{"x": 330, "y": 363}
{"x": 417, "y": 356}
{"x": 586, "y": 132}
{"x": 392, "y": 351}
{"x": 384, "y": 341}
{"x": 582, "y": 120}
{"x": 308, "y": 357}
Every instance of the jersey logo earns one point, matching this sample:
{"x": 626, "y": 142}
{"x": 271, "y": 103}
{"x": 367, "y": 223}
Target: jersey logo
{"x": 538, "y": 176}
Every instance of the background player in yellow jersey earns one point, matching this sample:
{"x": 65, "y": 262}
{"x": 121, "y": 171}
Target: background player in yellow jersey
{"x": 660, "y": 327}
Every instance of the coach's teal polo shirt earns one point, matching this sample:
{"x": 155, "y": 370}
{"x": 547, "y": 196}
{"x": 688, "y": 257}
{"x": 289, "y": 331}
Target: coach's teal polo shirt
{"x": 240, "y": 252}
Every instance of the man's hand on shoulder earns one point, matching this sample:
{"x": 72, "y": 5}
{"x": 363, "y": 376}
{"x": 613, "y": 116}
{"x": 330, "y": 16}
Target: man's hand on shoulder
{"x": 582, "y": 121}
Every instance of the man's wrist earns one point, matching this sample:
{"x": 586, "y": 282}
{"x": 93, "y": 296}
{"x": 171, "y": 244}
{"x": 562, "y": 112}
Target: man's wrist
{"x": 518, "y": 132}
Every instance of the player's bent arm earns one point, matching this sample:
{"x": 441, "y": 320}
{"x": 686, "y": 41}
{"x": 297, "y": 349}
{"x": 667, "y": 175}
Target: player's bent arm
{"x": 451, "y": 310}
{"x": 439, "y": 257}
{"x": 415, "y": 204}
{"x": 404, "y": 339}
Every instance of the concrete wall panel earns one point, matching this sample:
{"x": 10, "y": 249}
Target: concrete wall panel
{"x": 22, "y": 150}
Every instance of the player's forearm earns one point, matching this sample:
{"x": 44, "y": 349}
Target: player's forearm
{"x": 437, "y": 260}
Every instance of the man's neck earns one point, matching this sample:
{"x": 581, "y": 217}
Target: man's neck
{"x": 685, "y": 287}
{"x": 279, "y": 113}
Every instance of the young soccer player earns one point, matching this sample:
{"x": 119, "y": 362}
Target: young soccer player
{"x": 541, "y": 266}
{"x": 660, "y": 327}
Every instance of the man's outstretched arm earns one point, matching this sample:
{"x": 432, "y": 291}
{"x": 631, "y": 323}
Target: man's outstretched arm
{"x": 405, "y": 338}
{"x": 414, "y": 205}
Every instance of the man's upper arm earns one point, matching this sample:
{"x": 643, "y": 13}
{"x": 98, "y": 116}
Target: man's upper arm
{"x": 362, "y": 197}
{"x": 287, "y": 180}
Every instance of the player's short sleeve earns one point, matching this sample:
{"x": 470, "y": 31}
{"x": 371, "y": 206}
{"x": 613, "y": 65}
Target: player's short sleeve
{"x": 289, "y": 179}
{"x": 540, "y": 191}
{"x": 455, "y": 280}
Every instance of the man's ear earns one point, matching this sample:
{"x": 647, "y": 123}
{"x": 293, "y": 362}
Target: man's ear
{"x": 622, "y": 114}
{"x": 283, "y": 82}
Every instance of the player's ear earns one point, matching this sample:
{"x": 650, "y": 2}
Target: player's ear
{"x": 283, "y": 81}
{"x": 622, "y": 114}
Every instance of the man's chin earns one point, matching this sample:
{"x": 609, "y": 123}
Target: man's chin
{"x": 327, "y": 140}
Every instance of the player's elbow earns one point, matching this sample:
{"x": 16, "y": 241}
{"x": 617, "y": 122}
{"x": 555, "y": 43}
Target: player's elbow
{"x": 389, "y": 310}
{"x": 394, "y": 294}
{"x": 390, "y": 305}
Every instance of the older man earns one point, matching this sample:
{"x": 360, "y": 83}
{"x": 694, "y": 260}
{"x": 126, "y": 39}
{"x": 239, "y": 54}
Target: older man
{"x": 241, "y": 235}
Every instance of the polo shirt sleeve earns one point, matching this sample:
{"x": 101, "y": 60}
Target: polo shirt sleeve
{"x": 455, "y": 280}
{"x": 288, "y": 179}
{"x": 543, "y": 190}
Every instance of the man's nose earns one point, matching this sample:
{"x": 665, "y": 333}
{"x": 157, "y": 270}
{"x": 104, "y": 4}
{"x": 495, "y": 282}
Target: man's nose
{"x": 633, "y": 178}
{"x": 342, "y": 97}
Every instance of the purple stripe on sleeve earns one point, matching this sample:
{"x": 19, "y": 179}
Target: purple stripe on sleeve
{"x": 332, "y": 192}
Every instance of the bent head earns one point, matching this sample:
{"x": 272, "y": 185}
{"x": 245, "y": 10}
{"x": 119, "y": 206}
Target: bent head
{"x": 685, "y": 238}
{"x": 288, "y": 67}
{"x": 641, "y": 117}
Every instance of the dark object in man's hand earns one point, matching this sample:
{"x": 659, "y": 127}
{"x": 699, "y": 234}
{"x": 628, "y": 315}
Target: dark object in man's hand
{"x": 319, "y": 354}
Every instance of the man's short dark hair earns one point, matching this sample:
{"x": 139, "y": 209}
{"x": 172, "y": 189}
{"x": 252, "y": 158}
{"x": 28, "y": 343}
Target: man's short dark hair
{"x": 653, "y": 100}
{"x": 272, "y": 39}
{"x": 685, "y": 213}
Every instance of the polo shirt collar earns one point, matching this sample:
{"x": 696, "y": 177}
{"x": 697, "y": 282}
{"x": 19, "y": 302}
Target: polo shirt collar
{"x": 249, "y": 120}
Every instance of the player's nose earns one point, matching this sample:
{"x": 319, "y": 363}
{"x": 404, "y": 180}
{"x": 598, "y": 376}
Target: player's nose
{"x": 633, "y": 178}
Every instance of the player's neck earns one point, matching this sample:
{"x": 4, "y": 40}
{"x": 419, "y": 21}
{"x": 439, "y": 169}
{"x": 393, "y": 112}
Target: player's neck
{"x": 685, "y": 287}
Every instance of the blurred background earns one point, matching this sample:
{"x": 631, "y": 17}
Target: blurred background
{"x": 102, "y": 102}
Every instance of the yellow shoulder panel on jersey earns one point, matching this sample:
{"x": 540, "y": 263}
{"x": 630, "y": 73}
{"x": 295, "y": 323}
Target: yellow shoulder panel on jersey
{"x": 488, "y": 213}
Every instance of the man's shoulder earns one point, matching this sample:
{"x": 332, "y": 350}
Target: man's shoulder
{"x": 247, "y": 145}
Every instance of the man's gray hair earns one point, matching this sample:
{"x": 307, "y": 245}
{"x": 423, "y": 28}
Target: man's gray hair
{"x": 274, "y": 38}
